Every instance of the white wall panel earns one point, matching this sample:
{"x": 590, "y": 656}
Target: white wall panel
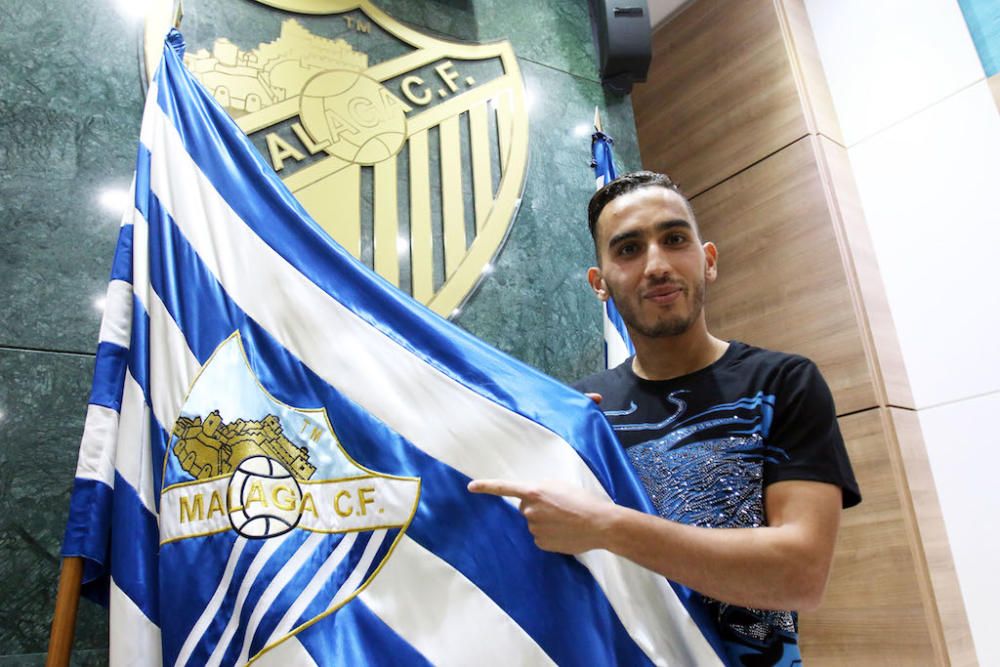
{"x": 887, "y": 59}
{"x": 929, "y": 189}
{"x": 963, "y": 445}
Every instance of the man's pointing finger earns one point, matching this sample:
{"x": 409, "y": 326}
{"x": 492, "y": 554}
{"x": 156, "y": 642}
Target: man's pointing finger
{"x": 499, "y": 487}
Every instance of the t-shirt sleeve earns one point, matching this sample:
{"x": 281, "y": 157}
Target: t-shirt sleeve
{"x": 804, "y": 439}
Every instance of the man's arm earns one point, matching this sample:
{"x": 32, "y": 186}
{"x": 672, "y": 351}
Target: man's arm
{"x": 783, "y": 565}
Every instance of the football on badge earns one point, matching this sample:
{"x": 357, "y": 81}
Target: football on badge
{"x": 265, "y": 498}
{"x": 356, "y": 116}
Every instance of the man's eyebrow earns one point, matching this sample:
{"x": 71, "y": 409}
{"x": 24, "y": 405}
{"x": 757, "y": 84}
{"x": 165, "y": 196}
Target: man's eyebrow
{"x": 660, "y": 227}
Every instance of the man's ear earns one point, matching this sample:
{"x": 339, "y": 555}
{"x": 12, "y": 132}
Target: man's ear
{"x": 597, "y": 283}
{"x": 711, "y": 262}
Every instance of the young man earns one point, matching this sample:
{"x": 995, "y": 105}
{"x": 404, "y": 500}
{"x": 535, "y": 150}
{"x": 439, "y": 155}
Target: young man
{"x": 722, "y": 435}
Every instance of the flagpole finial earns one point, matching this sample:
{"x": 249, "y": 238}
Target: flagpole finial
{"x": 179, "y": 14}
{"x": 597, "y": 119}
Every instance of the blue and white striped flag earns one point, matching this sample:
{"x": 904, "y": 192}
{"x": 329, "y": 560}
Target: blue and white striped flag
{"x": 278, "y": 442}
{"x": 617, "y": 344}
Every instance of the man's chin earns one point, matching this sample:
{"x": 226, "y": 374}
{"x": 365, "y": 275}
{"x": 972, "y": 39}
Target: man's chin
{"x": 665, "y": 329}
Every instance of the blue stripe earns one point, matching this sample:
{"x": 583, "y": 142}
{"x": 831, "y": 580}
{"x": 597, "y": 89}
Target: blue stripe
{"x": 291, "y": 592}
{"x": 202, "y": 562}
{"x": 604, "y": 162}
{"x": 561, "y": 582}
{"x": 121, "y": 266}
{"x": 226, "y": 156}
{"x": 138, "y": 366}
{"x": 88, "y": 534}
{"x": 356, "y": 636}
{"x": 133, "y": 551}
{"x": 138, "y": 358}
{"x": 109, "y": 376}
{"x": 493, "y": 536}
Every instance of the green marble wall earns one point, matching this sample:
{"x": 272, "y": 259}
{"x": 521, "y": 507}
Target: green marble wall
{"x": 70, "y": 105}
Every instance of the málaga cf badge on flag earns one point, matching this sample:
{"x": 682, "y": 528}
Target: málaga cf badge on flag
{"x": 278, "y": 442}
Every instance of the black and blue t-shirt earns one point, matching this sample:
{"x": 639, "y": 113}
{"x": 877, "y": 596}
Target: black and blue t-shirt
{"x": 705, "y": 445}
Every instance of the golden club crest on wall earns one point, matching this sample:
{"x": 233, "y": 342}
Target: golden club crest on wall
{"x": 413, "y": 158}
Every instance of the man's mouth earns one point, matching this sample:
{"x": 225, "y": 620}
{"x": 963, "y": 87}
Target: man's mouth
{"x": 663, "y": 294}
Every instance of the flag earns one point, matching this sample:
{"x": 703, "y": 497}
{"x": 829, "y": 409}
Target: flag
{"x": 277, "y": 446}
{"x": 617, "y": 344}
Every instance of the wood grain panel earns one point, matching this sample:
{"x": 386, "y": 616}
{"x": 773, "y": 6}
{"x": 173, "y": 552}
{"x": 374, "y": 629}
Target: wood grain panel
{"x": 885, "y": 355}
{"x": 817, "y": 103}
{"x": 874, "y": 612}
{"x": 782, "y": 283}
{"x": 720, "y": 94}
{"x": 929, "y": 524}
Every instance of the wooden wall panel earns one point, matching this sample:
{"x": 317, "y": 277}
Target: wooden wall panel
{"x": 885, "y": 355}
{"x": 738, "y": 112}
{"x": 929, "y": 529}
{"x": 720, "y": 94}
{"x": 874, "y": 612}
{"x": 782, "y": 283}
{"x": 800, "y": 44}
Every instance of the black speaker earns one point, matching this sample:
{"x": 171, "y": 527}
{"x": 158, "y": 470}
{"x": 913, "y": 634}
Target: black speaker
{"x": 623, "y": 38}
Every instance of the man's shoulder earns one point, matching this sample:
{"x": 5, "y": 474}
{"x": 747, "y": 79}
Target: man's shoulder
{"x": 752, "y": 355}
{"x": 602, "y": 381}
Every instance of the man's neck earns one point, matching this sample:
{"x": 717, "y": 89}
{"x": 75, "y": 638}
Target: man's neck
{"x": 673, "y": 356}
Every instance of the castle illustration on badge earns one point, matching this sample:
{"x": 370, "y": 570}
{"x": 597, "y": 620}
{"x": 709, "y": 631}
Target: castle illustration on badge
{"x": 409, "y": 150}
{"x": 239, "y": 459}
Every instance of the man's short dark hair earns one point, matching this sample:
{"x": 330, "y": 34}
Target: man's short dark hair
{"x": 623, "y": 185}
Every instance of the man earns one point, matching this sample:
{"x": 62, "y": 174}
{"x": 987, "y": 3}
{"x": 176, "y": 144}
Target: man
{"x": 721, "y": 434}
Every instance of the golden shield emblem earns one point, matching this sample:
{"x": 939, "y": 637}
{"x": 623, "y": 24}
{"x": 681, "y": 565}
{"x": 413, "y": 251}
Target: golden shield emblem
{"x": 410, "y": 151}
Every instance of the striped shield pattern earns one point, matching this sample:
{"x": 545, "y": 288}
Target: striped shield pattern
{"x": 414, "y": 164}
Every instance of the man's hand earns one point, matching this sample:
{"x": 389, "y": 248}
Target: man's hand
{"x": 562, "y": 518}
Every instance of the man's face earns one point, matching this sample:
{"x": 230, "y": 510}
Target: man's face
{"x": 652, "y": 262}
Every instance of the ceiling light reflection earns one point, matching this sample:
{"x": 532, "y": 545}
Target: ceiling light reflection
{"x": 113, "y": 200}
{"x": 133, "y": 9}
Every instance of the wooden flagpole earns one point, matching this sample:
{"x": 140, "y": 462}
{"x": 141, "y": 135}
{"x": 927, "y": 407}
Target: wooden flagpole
{"x": 64, "y": 617}
{"x": 71, "y": 573}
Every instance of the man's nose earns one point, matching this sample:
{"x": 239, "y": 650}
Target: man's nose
{"x": 657, "y": 262}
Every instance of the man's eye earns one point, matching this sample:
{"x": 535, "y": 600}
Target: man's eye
{"x": 627, "y": 249}
{"x": 676, "y": 239}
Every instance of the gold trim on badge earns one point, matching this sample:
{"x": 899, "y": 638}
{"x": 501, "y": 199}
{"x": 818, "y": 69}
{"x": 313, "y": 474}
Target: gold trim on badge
{"x": 340, "y": 118}
{"x": 367, "y": 475}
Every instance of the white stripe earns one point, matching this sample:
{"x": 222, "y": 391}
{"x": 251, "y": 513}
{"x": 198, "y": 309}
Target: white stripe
{"x": 172, "y": 365}
{"x": 617, "y": 351}
{"x": 377, "y": 373}
{"x": 445, "y": 616}
{"x": 98, "y": 445}
{"x": 289, "y": 653}
{"x": 133, "y": 457}
{"x": 357, "y": 575}
{"x": 116, "y": 325}
{"x": 274, "y": 588}
{"x": 249, "y": 579}
{"x": 212, "y": 608}
{"x": 312, "y": 589}
{"x": 135, "y": 640}
{"x": 140, "y": 259}
{"x": 150, "y": 115}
